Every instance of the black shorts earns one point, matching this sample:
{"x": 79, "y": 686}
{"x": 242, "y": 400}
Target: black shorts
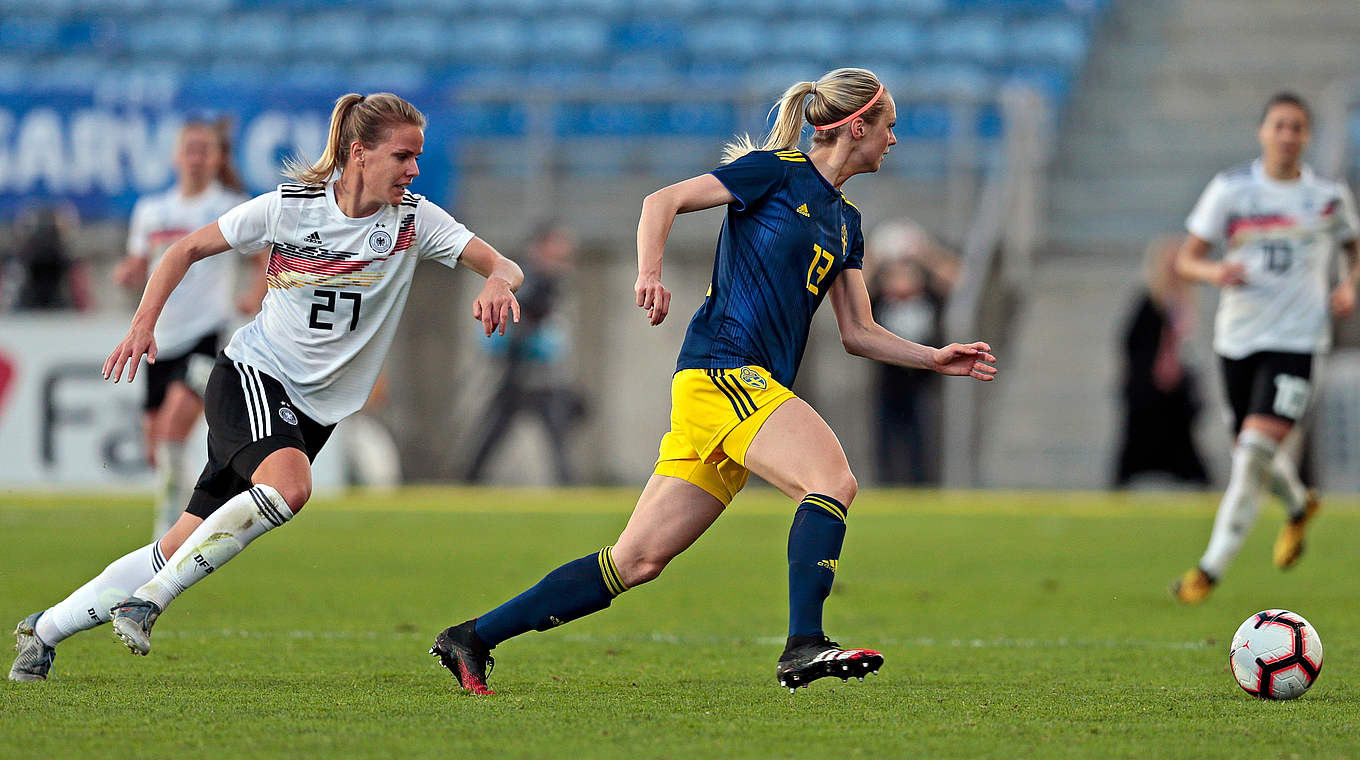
{"x": 249, "y": 417}
{"x": 1268, "y": 382}
{"x": 160, "y": 375}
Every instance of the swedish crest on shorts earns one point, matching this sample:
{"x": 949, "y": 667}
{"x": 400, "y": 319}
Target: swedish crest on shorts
{"x": 380, "y": 241}
{"x": 752, "y": 378}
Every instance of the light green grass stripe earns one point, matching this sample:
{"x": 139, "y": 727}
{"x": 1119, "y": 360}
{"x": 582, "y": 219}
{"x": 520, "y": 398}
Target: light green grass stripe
{"x": 658, "y": 637}
{"x": 754, "y": 501}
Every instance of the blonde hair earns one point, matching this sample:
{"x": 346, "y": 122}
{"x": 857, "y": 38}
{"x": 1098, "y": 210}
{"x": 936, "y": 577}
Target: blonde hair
{"x": 362, "y": 118}
{"x": 836, "y": 95}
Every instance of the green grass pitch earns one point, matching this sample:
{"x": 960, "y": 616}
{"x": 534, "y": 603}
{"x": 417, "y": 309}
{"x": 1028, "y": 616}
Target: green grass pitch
{"x": 1014, "y": 625}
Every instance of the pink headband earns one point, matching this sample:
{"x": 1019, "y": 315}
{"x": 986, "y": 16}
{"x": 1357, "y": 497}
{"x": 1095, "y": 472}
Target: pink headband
{"x": 854, "y": 115}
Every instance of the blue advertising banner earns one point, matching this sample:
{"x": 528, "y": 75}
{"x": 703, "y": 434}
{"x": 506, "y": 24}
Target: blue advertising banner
{"x": 101, "y": 156}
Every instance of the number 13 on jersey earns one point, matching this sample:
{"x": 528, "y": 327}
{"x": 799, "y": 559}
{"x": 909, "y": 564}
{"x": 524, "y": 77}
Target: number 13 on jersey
{"x": 822, "y": 260}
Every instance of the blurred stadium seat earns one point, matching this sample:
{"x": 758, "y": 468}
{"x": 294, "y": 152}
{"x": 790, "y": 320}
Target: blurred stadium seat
{"x": 977, "y": 38}
{"x": 931, "y": 49}
{"x": 29, "y": 34}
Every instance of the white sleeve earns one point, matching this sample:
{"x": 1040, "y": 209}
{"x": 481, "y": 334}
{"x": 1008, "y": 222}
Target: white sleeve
{"x": 137, "y": 231}
{"x": 442, "y": 238}
{"x": 1208, "y": 221}
{"x": 250, "y": 226}
{"x": 1347, "y": 222}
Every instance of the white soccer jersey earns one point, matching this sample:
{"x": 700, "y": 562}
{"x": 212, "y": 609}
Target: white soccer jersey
{"x": 202, "y": 303}
{"x": 1285, "y": 234}
{"x": 337, "y": 288}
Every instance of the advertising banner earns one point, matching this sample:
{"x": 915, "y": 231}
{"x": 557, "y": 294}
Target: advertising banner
{"x": 101, "y": 154}
{"x": 62, "y": 424}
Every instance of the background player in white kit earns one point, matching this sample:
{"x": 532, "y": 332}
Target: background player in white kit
{"x": 201, "y": 307}
{"x": 1280, "y": 226}
{"x": 343, "y": 250}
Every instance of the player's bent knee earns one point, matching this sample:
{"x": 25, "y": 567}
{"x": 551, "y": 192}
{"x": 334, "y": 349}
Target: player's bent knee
{"x": 295, "y": 494}
{"x": 842, "y": 488}
{"x": 639, "y": 570}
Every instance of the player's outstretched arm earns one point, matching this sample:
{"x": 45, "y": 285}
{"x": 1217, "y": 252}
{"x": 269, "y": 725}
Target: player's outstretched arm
{"x": 862, "y": 336}
{"x": 1192, "y": 263}
{"x": 1343, "y": 295}
{"x": 658, "y": 214}
{"x": 496, "y": 305}
{"x": 200, "y": 244}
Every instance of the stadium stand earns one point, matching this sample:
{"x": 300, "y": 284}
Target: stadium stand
{"x": 928, "y": 47}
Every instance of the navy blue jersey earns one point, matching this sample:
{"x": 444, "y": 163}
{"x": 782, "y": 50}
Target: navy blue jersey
{"x": 787, "y": 235}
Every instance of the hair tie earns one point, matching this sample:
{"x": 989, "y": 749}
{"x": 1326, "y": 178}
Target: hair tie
{"x": 854, "y": 115}
{"x": 813, "y": 91}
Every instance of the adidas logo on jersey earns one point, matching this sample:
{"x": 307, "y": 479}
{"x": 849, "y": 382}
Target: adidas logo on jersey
{"x": 314, "y": 238}
{"x": 803, "y": 210}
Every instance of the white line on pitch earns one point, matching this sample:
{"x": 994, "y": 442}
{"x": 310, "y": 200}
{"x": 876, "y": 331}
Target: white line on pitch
{"x": 689, "y": 640}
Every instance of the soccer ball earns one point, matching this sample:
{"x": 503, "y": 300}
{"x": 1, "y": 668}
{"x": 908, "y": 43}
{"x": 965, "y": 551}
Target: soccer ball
{"x": 1275, "y": 654}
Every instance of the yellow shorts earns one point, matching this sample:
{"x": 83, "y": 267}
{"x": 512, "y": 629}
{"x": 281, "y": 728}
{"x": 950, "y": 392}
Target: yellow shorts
{"x": 715, "y": 414}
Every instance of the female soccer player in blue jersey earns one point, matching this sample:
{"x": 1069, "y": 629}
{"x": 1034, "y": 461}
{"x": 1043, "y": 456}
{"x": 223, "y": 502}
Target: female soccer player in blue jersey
{"x": 790, "y": 238}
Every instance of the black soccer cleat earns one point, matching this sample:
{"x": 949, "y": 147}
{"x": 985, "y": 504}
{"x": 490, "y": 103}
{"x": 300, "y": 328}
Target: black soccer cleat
{"x": 466, "y": 656}
{"x": 807, "y": 658}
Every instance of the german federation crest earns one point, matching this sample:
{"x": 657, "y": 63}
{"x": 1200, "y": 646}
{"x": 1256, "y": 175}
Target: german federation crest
{"x": 752, "y": 378}
{"x": 380, "y": 241}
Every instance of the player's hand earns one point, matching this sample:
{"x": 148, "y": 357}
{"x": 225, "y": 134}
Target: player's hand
{"x": 495, "y": 306}
{"x": 653, "y": 296}
{"x": 1343, "y": 300}
{"x": 971, "y": 359}
{"x": 139, "y": 341}
{"x": 1230, "y": 274}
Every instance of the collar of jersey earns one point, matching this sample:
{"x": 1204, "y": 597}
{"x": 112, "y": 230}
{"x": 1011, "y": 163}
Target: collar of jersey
{"x": 1258, "y": 171}
{"x": 341, "y": 216}
{"x": 208, "y": 192}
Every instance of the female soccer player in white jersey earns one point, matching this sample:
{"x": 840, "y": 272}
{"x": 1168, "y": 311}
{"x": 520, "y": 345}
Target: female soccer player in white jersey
{"x": 197, "y": 312}
{"x": 790, "y": 240}
{"x": 343, "y": 251}
{"x": 1280, "y": 226}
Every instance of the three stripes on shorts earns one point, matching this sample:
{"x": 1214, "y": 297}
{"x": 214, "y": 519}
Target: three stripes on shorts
{"x": 257, "y": 402}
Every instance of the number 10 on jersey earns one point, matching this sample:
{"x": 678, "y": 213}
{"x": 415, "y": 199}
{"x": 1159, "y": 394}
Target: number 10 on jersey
{"x": 822, "y": 260}
{"x": 320, "y": 309}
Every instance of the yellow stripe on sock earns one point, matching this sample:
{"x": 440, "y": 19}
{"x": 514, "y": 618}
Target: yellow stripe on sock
{"x": 610, "y": 572}
{"x": 614, "y": 569}
{"x": 835, "y": 511}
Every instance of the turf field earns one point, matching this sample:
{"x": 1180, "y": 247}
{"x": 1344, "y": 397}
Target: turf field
{"x": 1014, "y": 625}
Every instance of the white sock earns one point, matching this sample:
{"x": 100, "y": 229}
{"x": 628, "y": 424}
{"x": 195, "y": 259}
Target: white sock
{"x": 1250, "y": 469}
{"x": 1285, "y": 483}
{"x": 244, "y": 518}
{"x": 172, "y": 488}
{"x": 88, "y": 606}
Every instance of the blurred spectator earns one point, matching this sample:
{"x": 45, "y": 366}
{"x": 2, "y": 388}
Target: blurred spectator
{"x": 1159, "y": 390}
{"x": 909, "y": 281}
{"x": 46, "y": 277}
{"x": 537, "y": 377}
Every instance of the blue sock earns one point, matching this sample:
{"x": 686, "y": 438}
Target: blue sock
{"x": 573, "y": 590}
{"x": 814, "y": 549}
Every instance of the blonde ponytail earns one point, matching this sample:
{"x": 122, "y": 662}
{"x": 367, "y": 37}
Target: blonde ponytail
{"x": 836, "y": 95}
{"x": 356, "y": 117}
{"x": 788, "y": 125}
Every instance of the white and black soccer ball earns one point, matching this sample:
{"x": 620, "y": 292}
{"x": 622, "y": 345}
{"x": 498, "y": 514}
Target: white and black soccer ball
{"x": 1275, "y": 654}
